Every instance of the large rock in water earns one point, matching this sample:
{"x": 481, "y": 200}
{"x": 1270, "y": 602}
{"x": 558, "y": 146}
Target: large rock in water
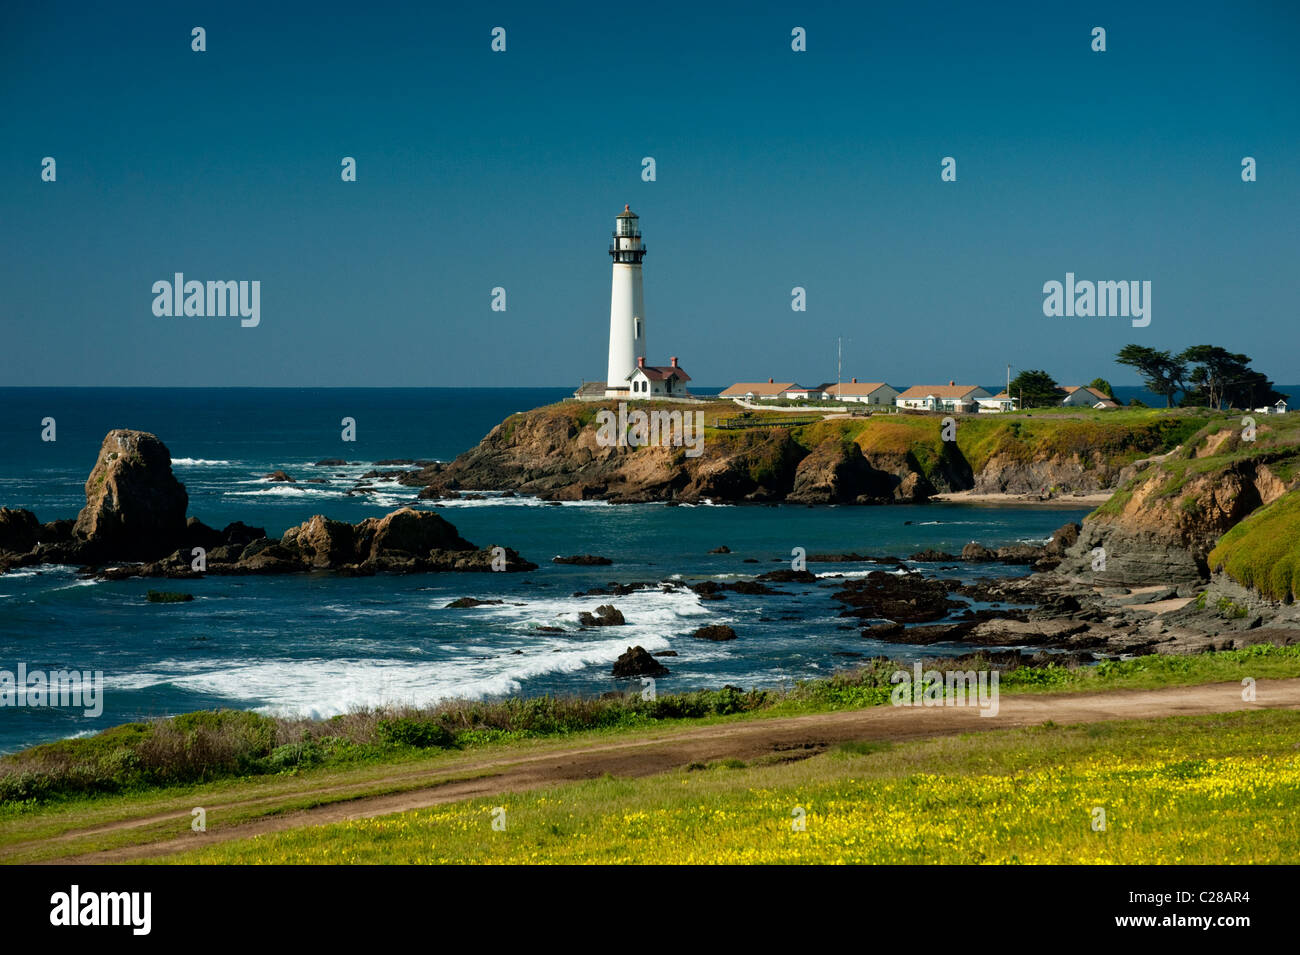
{"x": 18, "y": 530}
{"x": 323, "y": 542}
{"x": 638, "y": 662}
{"x": 408, "y": 531}
{"x": 135, "y": 507}
{"x": 404, "y": 541}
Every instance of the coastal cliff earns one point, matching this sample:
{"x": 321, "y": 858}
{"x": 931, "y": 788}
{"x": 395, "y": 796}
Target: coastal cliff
{"x": 1163, "y": 523}
{"x": 554, "y": 452}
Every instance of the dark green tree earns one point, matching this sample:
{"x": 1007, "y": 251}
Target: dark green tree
{"x": 1162, "y": 372}
{"x": 1102, "y": 385}
{"x": 1220, "y": 377}
{"x": 1036, "y": 389}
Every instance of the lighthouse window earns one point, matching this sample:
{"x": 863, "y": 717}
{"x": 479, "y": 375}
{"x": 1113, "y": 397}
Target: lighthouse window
{"x": 638, "y": 328}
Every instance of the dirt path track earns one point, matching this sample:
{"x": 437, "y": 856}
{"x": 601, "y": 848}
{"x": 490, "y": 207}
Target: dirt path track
{"x": 652, "y": 753}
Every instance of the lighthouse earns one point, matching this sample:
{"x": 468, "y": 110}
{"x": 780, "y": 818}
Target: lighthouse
{"x": 626, "y": 306}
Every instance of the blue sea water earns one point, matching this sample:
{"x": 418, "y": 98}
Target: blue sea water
{"x": 318, "y": 644}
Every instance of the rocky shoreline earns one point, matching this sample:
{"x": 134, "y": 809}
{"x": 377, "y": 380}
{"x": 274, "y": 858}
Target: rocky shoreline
{"x": 134, "y": 524}
{"x": 1045, "y": 618}
{"x": 1134, "y": 578}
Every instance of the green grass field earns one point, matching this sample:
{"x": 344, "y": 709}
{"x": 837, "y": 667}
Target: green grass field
{"x": 1202, "y": 790}
{"x": 33, "y": 830}
{"x": 192, "y": 749}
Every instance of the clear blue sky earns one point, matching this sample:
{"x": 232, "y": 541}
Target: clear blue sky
{"x": 775, "y": 169}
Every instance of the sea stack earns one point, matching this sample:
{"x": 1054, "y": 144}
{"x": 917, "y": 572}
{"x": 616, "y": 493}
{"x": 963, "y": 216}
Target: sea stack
{"x": 135, "y": 507}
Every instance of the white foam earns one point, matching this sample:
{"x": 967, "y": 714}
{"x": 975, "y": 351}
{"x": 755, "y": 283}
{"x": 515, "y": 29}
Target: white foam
{"x": 77, "y": 583}
{"x": 323, "y": 688}
{"x": 23, "y": 572}
{"x": 350, "y": 612}
{"x": 519, "y": 501}
{"x": 287, "y": 490}
{"x": 648, "y": 612}
{"x": 199, "y": 463}
{"x": 483, "y": 665}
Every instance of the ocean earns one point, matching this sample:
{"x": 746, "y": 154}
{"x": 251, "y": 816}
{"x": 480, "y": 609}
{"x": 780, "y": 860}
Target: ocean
{"x": 320, "y": 645}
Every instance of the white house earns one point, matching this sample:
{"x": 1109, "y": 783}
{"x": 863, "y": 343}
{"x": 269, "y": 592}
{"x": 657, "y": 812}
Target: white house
{"x": 659, "y": 381}
{"x": 800, "y": 393}
{"x": 1086, "y": 397}
{"x": 867, "y": 393}
{"x": 1278, "y": 407}
{"x": 949, "y": 397}
{"x": 757, "y": 389}
{"x": 996, "y": 404}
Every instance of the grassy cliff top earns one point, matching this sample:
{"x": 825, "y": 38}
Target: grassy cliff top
{"x": 1263, "y": 551}
{"x": 1221, "y": 442}
{"x": 1117, "y": 437}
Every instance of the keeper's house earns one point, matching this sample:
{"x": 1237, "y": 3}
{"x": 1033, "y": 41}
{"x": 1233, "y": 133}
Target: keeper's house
{"x": 758, "y": 390}
{"x": 1084, "y": 397}
{"x": 866, "y": 393}
{"x": 997, "y": 404}
{"x": 949, "y": 397}
{"x": 1279, "y": 407}
{"x": 659, "y": 381}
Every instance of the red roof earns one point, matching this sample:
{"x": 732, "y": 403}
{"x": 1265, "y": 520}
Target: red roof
{"x": 663, "y": 372}
{"x": 757, "y": 388}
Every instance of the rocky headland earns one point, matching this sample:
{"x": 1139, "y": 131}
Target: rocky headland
{"x": 1198, "y": 549}
{"x": 554, "y": 453}
{"x": 1183, "y": 556}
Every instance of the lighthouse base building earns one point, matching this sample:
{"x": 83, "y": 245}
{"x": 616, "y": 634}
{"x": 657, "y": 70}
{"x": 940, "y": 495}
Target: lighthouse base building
{"x": 627, "y": 375}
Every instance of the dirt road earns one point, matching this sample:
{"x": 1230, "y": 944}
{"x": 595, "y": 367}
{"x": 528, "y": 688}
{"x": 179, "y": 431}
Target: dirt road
{"x": 658, "y": 752}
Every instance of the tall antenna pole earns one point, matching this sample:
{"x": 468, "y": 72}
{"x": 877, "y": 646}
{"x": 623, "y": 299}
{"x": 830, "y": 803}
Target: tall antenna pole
{"x": 839, "y": 365}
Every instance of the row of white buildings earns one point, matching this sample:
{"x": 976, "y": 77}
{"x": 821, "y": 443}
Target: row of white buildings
{"x": 962, "y": 399}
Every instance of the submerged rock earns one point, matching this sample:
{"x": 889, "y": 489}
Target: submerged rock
{"x": 933, "y": 556}
{"x": 463, "y": 603}
{"x": 788, "y": 576}
{"x": 903, "y": 598}
{"x": 167, "y": 597}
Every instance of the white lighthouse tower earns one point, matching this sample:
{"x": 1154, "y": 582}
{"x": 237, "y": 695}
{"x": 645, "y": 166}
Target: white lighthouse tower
{"x": 626, "y": 306}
